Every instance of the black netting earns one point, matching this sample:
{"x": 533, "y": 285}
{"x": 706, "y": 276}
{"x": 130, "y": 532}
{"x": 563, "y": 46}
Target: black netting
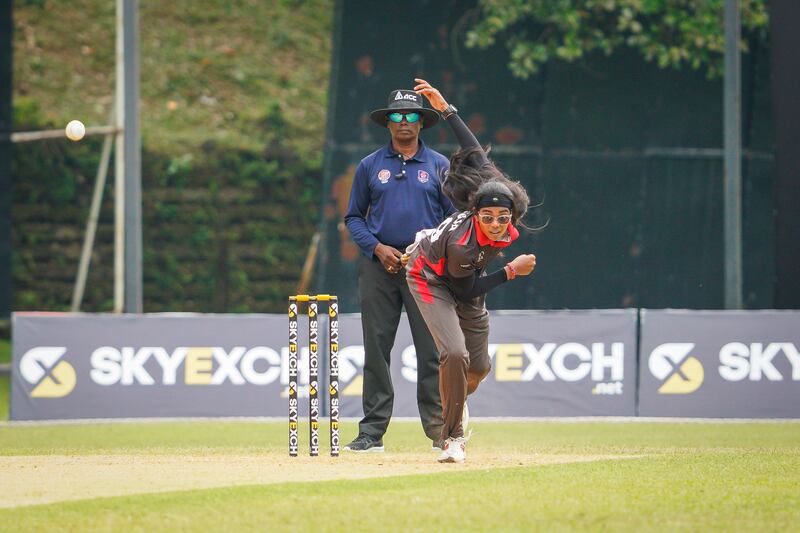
{"x": 627, "y": 157}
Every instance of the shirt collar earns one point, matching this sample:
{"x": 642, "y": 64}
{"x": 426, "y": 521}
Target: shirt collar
{"x": 421, "y": 155}
{"x": 483, "y": 240}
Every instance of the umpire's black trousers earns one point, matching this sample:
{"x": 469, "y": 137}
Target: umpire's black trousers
{"x": 383, "y": 296}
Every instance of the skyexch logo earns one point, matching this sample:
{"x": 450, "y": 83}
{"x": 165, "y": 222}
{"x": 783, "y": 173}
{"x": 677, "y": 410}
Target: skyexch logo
{"x": 41, "y": 366}
{"x": 672, "y": 364}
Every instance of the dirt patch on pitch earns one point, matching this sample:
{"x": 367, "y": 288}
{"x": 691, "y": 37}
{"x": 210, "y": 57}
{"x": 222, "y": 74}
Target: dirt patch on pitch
{"x": 38, "y": 479}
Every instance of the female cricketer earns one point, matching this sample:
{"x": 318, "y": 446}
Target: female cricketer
{"x": 446, "y": 269}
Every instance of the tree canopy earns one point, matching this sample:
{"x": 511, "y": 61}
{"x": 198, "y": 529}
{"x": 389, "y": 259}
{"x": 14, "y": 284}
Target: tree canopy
{"x": 671, "y": 33}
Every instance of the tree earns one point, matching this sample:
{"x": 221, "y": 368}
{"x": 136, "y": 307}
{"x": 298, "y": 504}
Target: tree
{"x": 672, "y": 33}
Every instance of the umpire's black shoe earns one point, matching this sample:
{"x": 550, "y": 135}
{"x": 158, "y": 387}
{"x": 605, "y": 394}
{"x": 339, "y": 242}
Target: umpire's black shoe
{"x": 365, "y": 443}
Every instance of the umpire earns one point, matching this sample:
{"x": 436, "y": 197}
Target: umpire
{"x": 396, "y": 192}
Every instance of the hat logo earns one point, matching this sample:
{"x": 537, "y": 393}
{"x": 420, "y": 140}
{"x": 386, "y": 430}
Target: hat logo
{"x": 406, "y": 96}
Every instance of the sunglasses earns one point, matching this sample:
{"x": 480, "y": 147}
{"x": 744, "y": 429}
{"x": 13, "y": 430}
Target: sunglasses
{"x": 398, "y": 117}
{"x": 501, "y": 219}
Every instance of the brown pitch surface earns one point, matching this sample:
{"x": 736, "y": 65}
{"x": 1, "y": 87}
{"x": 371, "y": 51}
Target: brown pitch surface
{"x": 39, "y": 479}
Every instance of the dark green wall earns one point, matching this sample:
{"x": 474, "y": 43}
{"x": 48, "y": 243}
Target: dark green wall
{"x": 627, "y": 158}
{"x": 5, "y": 156}
{"x": 224, "y": 230}
{"x": 784, "y": 22}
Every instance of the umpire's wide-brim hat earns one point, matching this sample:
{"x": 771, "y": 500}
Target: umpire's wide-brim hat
{"x": 401, "y": 100}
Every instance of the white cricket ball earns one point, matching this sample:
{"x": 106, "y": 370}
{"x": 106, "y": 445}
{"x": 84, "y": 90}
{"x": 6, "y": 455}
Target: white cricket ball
{"x": 75, "y": 130}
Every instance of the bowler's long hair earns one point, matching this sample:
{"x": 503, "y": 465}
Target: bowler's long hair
{"x": 466, "y": 175}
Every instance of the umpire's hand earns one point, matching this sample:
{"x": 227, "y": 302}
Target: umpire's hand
{"x": 389, "y": 258}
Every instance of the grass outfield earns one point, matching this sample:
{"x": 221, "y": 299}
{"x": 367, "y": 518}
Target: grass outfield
{"x": 5, "y": 358}
{"x": 5, "y": 351}
{"x": 519, "y": 476}
{"x": 4, "y": 393}
{"x": 210, "y": 70}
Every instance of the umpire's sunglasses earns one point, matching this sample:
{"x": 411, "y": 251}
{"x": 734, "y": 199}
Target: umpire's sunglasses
{"x": 398, "y": 117}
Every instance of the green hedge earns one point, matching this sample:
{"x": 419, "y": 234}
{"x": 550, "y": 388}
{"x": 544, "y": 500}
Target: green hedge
{"x": 223, "y": 230}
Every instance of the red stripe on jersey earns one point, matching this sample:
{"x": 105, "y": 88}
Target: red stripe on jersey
{"x": 422, "y": 284}
{"x": 438, "y": 267}
{"x": 463, "y": 240}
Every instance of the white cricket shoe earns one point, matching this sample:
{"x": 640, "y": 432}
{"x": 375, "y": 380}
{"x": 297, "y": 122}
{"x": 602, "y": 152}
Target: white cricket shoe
{"x": 465, "y": 418}
{"x": 454, "y": 450}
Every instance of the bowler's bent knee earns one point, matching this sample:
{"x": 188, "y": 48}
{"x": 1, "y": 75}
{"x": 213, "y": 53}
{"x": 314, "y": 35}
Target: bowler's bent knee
{"x": 474, "y": 379}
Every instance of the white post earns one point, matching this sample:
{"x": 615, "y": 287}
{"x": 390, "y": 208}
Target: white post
{"x": 119, "y": 167}
{"x": 128, "y": 216}
{"x": 732, "y": 185}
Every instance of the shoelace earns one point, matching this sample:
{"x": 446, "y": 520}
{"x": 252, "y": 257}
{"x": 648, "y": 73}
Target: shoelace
{"x": 465, "y": 437}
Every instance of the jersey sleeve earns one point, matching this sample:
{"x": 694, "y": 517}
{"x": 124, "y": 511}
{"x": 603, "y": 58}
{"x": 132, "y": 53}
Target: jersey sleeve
{"x": 476, "y": 285}
{"x": 356, "y": 217}
{"x": 466, "y": 139}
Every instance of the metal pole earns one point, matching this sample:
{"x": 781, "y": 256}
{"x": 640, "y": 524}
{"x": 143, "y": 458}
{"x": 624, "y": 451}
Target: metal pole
{"x": 119, "y": 168}
{"x": 91, "y": 225}
{"x": 128, "y": 183}
{"x": 133, "y": 161}
{"x": 733, "y": 159}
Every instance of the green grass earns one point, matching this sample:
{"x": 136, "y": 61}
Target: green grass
{"x": 238, "y": 72}
{"x": 5, "y": 358}
{"x": 4, "y": 392}
{"x": 718, "y": 477}
{"x": 647, "y": 494}
{"x": 541, "y": 437}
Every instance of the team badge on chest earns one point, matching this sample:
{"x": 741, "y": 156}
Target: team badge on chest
{"x": 422, "y": 176}
{"x": 384, "y": 175}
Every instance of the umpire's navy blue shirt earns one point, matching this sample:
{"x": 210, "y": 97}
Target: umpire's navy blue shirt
{"x": 390, "y": 210}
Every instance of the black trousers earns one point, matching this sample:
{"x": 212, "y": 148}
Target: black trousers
{"x": 383, "y": 296}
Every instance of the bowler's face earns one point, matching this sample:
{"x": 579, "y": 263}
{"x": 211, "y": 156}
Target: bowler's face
{"x": 494, "y": 221}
